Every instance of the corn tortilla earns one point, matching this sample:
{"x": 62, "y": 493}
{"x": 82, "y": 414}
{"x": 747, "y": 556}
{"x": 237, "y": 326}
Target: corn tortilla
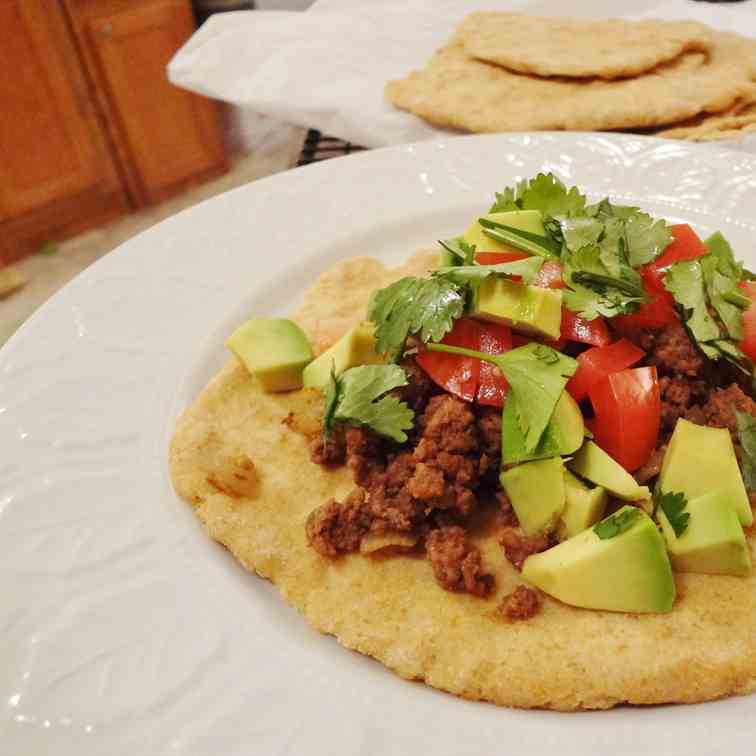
{"x": 456, "y": 91}
{"x": 554, "y": 46}
{"x": 392, "y": 608}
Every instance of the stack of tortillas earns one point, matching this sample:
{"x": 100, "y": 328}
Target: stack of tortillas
{"x": 508, "y": 72}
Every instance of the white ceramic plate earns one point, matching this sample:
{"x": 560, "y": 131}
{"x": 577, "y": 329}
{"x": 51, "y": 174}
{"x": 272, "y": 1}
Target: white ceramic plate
{"x": 123, "y": 628}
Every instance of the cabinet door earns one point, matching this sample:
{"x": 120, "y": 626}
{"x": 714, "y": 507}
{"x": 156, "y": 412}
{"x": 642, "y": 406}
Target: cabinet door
{"x": 169, "y": 135}
{"x": 47, "y": 148}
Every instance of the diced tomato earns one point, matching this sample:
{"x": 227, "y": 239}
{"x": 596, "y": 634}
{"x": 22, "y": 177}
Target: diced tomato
{"x": 492, "y": 386}
{"x": 627, "y": 405}
{"x": 748, "y": 344}
{"x": 550, "y": 276}
{"x": 660, "y": 311}
{"x": 496, "y": 258}
{"x": 598, "y": 362}
{"x": 467, "y": 377}
{"x": 685, "y": 245}
{"x": 592, "y": 332}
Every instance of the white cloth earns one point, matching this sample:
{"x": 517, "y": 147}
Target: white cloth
{"x": 326, "y": 68}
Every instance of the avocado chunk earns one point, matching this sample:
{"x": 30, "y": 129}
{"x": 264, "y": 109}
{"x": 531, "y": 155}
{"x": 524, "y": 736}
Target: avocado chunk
{"x": 355, "y": 347}
{"x": 699, "y": 460}
{"x": 524, "y": 220}
{"x": 583, "y": 506}
{"x": 274, "y": 350}
{"x": 536, "y": 490}
{"x": 713, "y": 542}
{"x": 595, "y": 465}
{"x": 528, "y": 309}
{"x": 629, "y": 572}
{"x": 563, "y": 435}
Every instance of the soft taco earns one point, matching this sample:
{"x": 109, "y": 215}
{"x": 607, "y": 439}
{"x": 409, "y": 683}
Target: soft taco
{"x": 519, "y": 468}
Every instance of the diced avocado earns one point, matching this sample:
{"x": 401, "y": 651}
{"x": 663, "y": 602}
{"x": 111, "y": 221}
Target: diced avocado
{"x": 524, "y": 220}
{"x": 583, "y": 506}
{"x": 699, "y": 460}
{"x": 274, "y": 350}
{"x": 529, "y": 309}
{"x": 594, "y": 464}
{"x": 563, "y": 435}
{"x": 355, "y": 347}
{"x": 713, "y": 542}
{"x": 627, "y": 573}
{"x": 536, "y": 490}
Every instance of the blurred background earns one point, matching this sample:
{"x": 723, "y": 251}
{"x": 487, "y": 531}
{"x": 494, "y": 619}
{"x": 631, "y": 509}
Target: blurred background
{"x": 97, "y": 145}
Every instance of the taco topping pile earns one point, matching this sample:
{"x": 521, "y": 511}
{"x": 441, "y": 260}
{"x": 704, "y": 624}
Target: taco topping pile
{"x": 582, "y": 373}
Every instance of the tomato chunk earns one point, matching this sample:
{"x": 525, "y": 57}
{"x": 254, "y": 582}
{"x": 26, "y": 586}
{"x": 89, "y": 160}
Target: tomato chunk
{"x": 496, "y": 258}
{"x": 627, "y": 405}
{"x": 585, "y": 331}
{"x": 748, "y": 344}
{"x": 596, "y": 363}
{"x": 660, "y": 311}
{"x": 466, "y": 377}
{"x": 492, "y": 386}
{"x": 685, "y": 245}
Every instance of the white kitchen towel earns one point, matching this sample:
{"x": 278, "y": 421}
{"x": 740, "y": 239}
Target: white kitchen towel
{"x": 326, "y": 68}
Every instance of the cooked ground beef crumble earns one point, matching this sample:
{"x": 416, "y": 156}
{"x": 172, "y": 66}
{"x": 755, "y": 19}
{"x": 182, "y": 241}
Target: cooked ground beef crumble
{"x": 431, "y": 485}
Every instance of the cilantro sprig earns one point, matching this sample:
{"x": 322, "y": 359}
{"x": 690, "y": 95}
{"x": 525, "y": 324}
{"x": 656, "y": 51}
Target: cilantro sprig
{"x": 619, "y": 522}
{"x": 424, "y": 306}
{"x": 747, "y": 436}
{"x": 545, "y": 193}
{"x": 428, "y": 307}
{"x": 353, "y": 398}
{"x": 673, "y": 505}
{"x": 537, "y": 375}
{"x": 710, "y": 303}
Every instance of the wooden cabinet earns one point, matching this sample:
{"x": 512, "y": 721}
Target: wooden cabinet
{"x": 166, "y": 136}
{"x": 56, "y": 171}
{"x": 90, "y": 125}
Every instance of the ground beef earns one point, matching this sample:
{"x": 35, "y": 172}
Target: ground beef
{"x": 456, "y": 565}
{"x": 331, "y": 452}
{"x": 678, "y": 395}
{"x": 337, "y": 528}
{"x": 489, "y": 430}
{"x": 507, "y": 516}
{"x": 419, "y": 388}
{"x": 719, "y": 409}
{"x": 673, "y": 352}
{"x": 364, "y": 455}
{"x": 523, "y": 603}
{"x": 518, "y": 547}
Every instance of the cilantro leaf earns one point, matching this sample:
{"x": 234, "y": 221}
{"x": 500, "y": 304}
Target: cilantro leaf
{"x": 617, "y": 523}
{"x": 684, "y": 280}
{"x": 353, "y": 398}
{"x": 722, "y": 274}
{"x": 537, "y": 375}
{"x": 579, "y": 231}
{"x": 673, "y": 506}
{"x": 331, "y": 399}
{"x": 425, "y": 306}
{"x": 747, "y": 435}
{"x": 462, "y": 274}
{"x": 645, "y": 238}
{"x": 545, "y": 193}
{"x": 594, "y": 289}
